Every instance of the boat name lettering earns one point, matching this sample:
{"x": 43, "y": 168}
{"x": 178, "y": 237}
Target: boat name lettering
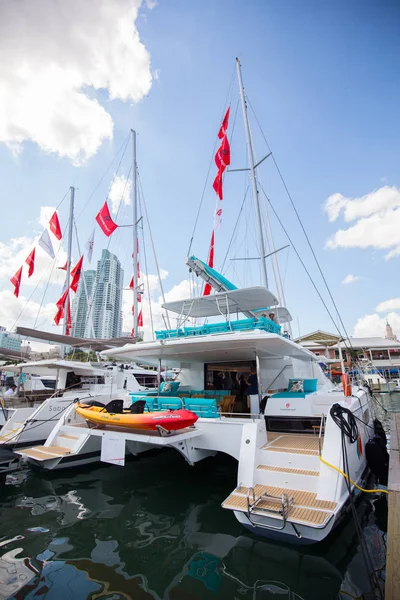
{"x": 166, "y": 417}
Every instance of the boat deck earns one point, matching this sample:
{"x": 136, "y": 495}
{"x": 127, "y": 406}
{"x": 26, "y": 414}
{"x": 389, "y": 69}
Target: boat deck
{"x": 297, "y": 444}
{"x": 306, "y": 509}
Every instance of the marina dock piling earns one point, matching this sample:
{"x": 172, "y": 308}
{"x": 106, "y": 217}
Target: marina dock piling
{"x": 392, "y": 591}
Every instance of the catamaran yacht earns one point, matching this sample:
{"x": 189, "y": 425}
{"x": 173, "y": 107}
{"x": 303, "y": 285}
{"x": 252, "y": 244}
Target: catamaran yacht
{"x": 290, "y": 455}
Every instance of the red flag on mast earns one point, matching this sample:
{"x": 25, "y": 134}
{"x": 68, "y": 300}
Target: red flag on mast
{"x": 140, "y": 319}
{"x": 16, "y": 281}
{"x": 55, "y": 226}
{"x": 64, "y": 268}
{"x": 76, "y": 274}
{"x": 223, "y": 155}
{"x": 105, "y": 221}
{"x": 224, "y": 126}
{"x": 217, "y": 185}
{"x": 210, "y": 262}
{"x": 30, "y": 261}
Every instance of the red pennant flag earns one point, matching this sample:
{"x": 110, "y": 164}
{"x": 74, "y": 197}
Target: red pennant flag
{"x": 16, "y": 281}
{"x": 223, "y": 155}
{"x": 217, "y": 185}
{"x": 76, "y": 274}
{"x": 30, "y": 261}
{"x": 138, "y": 270}
{"x": 64, "y": 268}
{"x": 55, "y": 226}
{"x": 62, "y": 300}
{"x": 224, "y": 126}
{"x": 131, "y": 284}
{"x": 105, "y": 221}
{"x": 140, "y": 319}
{"x": 207, "y": 287}
{"x": 139, "y": 297}
{"x": 59, "y": 315}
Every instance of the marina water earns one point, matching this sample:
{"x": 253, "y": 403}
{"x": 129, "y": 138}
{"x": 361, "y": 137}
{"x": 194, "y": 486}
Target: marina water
{"x": 155, "y": 530}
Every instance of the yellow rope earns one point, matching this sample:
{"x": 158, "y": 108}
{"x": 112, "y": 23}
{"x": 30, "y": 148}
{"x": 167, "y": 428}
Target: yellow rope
{"x": 351, "y": 481}
{"x": 5, "y": 437}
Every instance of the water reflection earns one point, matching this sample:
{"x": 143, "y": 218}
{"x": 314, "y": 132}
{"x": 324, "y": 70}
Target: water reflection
{"x": 155, "y": 530}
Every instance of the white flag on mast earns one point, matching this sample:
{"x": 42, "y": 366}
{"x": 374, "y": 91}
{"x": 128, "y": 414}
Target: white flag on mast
{"x": 45, "y": 243}
{"x": 89, "y": 246}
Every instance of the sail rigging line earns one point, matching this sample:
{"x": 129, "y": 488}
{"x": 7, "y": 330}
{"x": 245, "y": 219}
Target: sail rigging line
{"x": 227, "y": 103}
{"x": 301, "y": 225}
{"x": 302, "y": 263}
{"x": 268, "y": 231}
{"x": 147, "y": 272}
{"x": 125, "y": 143}
{"x": 153, "y": 246}
{"x": 234, "y": 229}
{"x": 46, "y": 288}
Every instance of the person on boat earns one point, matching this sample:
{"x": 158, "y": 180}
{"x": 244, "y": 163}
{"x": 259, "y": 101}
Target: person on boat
{"x": 242, "y": 398}
{"x": 271, "y": 316}
{"x": 252, "y": 382}
{"x": 11, "y": 390}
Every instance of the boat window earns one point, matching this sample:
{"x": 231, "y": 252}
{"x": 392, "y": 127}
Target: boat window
{"x": 293, "y": 424}
{"x": 146, "y": 380}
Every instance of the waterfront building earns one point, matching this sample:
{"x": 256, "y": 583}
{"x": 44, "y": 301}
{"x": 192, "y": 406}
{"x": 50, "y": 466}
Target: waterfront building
{"x": 9, "y": 341}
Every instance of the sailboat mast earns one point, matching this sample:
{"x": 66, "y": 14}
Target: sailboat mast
{"x": 135, "y": 235}
{"x": 261, "y": 245}
{"x": 68, "y": 275}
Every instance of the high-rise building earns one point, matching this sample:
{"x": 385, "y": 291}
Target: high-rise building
{"x": 80, "y": 305}
{"x": 107, "y": 297}
{"x": 97, "y": 311}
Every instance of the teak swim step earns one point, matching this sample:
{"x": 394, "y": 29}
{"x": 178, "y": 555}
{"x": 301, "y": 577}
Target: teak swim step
{"x": 296, "y": 444}
{"x": 295, "y": 506}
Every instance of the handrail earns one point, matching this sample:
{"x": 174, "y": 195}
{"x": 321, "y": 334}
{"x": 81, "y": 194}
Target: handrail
{"x": 322, "y": 424}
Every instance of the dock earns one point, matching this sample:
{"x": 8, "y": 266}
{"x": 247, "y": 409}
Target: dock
{"x": 392, "y": 590}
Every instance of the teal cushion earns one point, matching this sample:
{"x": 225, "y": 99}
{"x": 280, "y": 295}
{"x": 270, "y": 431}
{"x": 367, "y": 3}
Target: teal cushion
{"x": 289, "y": 395}
{"x": 310, "y": 385}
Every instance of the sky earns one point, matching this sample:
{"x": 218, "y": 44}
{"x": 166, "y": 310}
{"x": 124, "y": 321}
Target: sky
{"x": 323, "y": 88}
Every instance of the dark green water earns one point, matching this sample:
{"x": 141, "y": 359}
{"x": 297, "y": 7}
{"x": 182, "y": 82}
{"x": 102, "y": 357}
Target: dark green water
{"x": 155, "y": 530}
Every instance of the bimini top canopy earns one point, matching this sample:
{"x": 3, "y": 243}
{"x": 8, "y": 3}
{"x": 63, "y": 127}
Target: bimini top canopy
{"x": 281, "y": 312}
{"x": 228, "y": 302}
{"x": 75, "y": 342}
{"x": 222, "y": 347}
{"x": 50, "y": 367}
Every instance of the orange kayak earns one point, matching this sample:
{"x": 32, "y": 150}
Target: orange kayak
{"x": 171, "y": 420}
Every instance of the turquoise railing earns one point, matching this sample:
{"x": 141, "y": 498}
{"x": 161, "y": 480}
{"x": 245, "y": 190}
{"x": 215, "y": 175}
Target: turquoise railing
{"x": 242, "y": 325}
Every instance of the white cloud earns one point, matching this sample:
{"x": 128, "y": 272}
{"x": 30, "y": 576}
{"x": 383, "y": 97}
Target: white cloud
{"x": 350, "y": 279}
{"x": 374, "y": 325}
{"x": 120, "y": 192}
{"x": 376, "y": 216}
{"x": 53, "y": 55}
{"x": 392, "y": 304}
{"x": 19, "y": 311}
